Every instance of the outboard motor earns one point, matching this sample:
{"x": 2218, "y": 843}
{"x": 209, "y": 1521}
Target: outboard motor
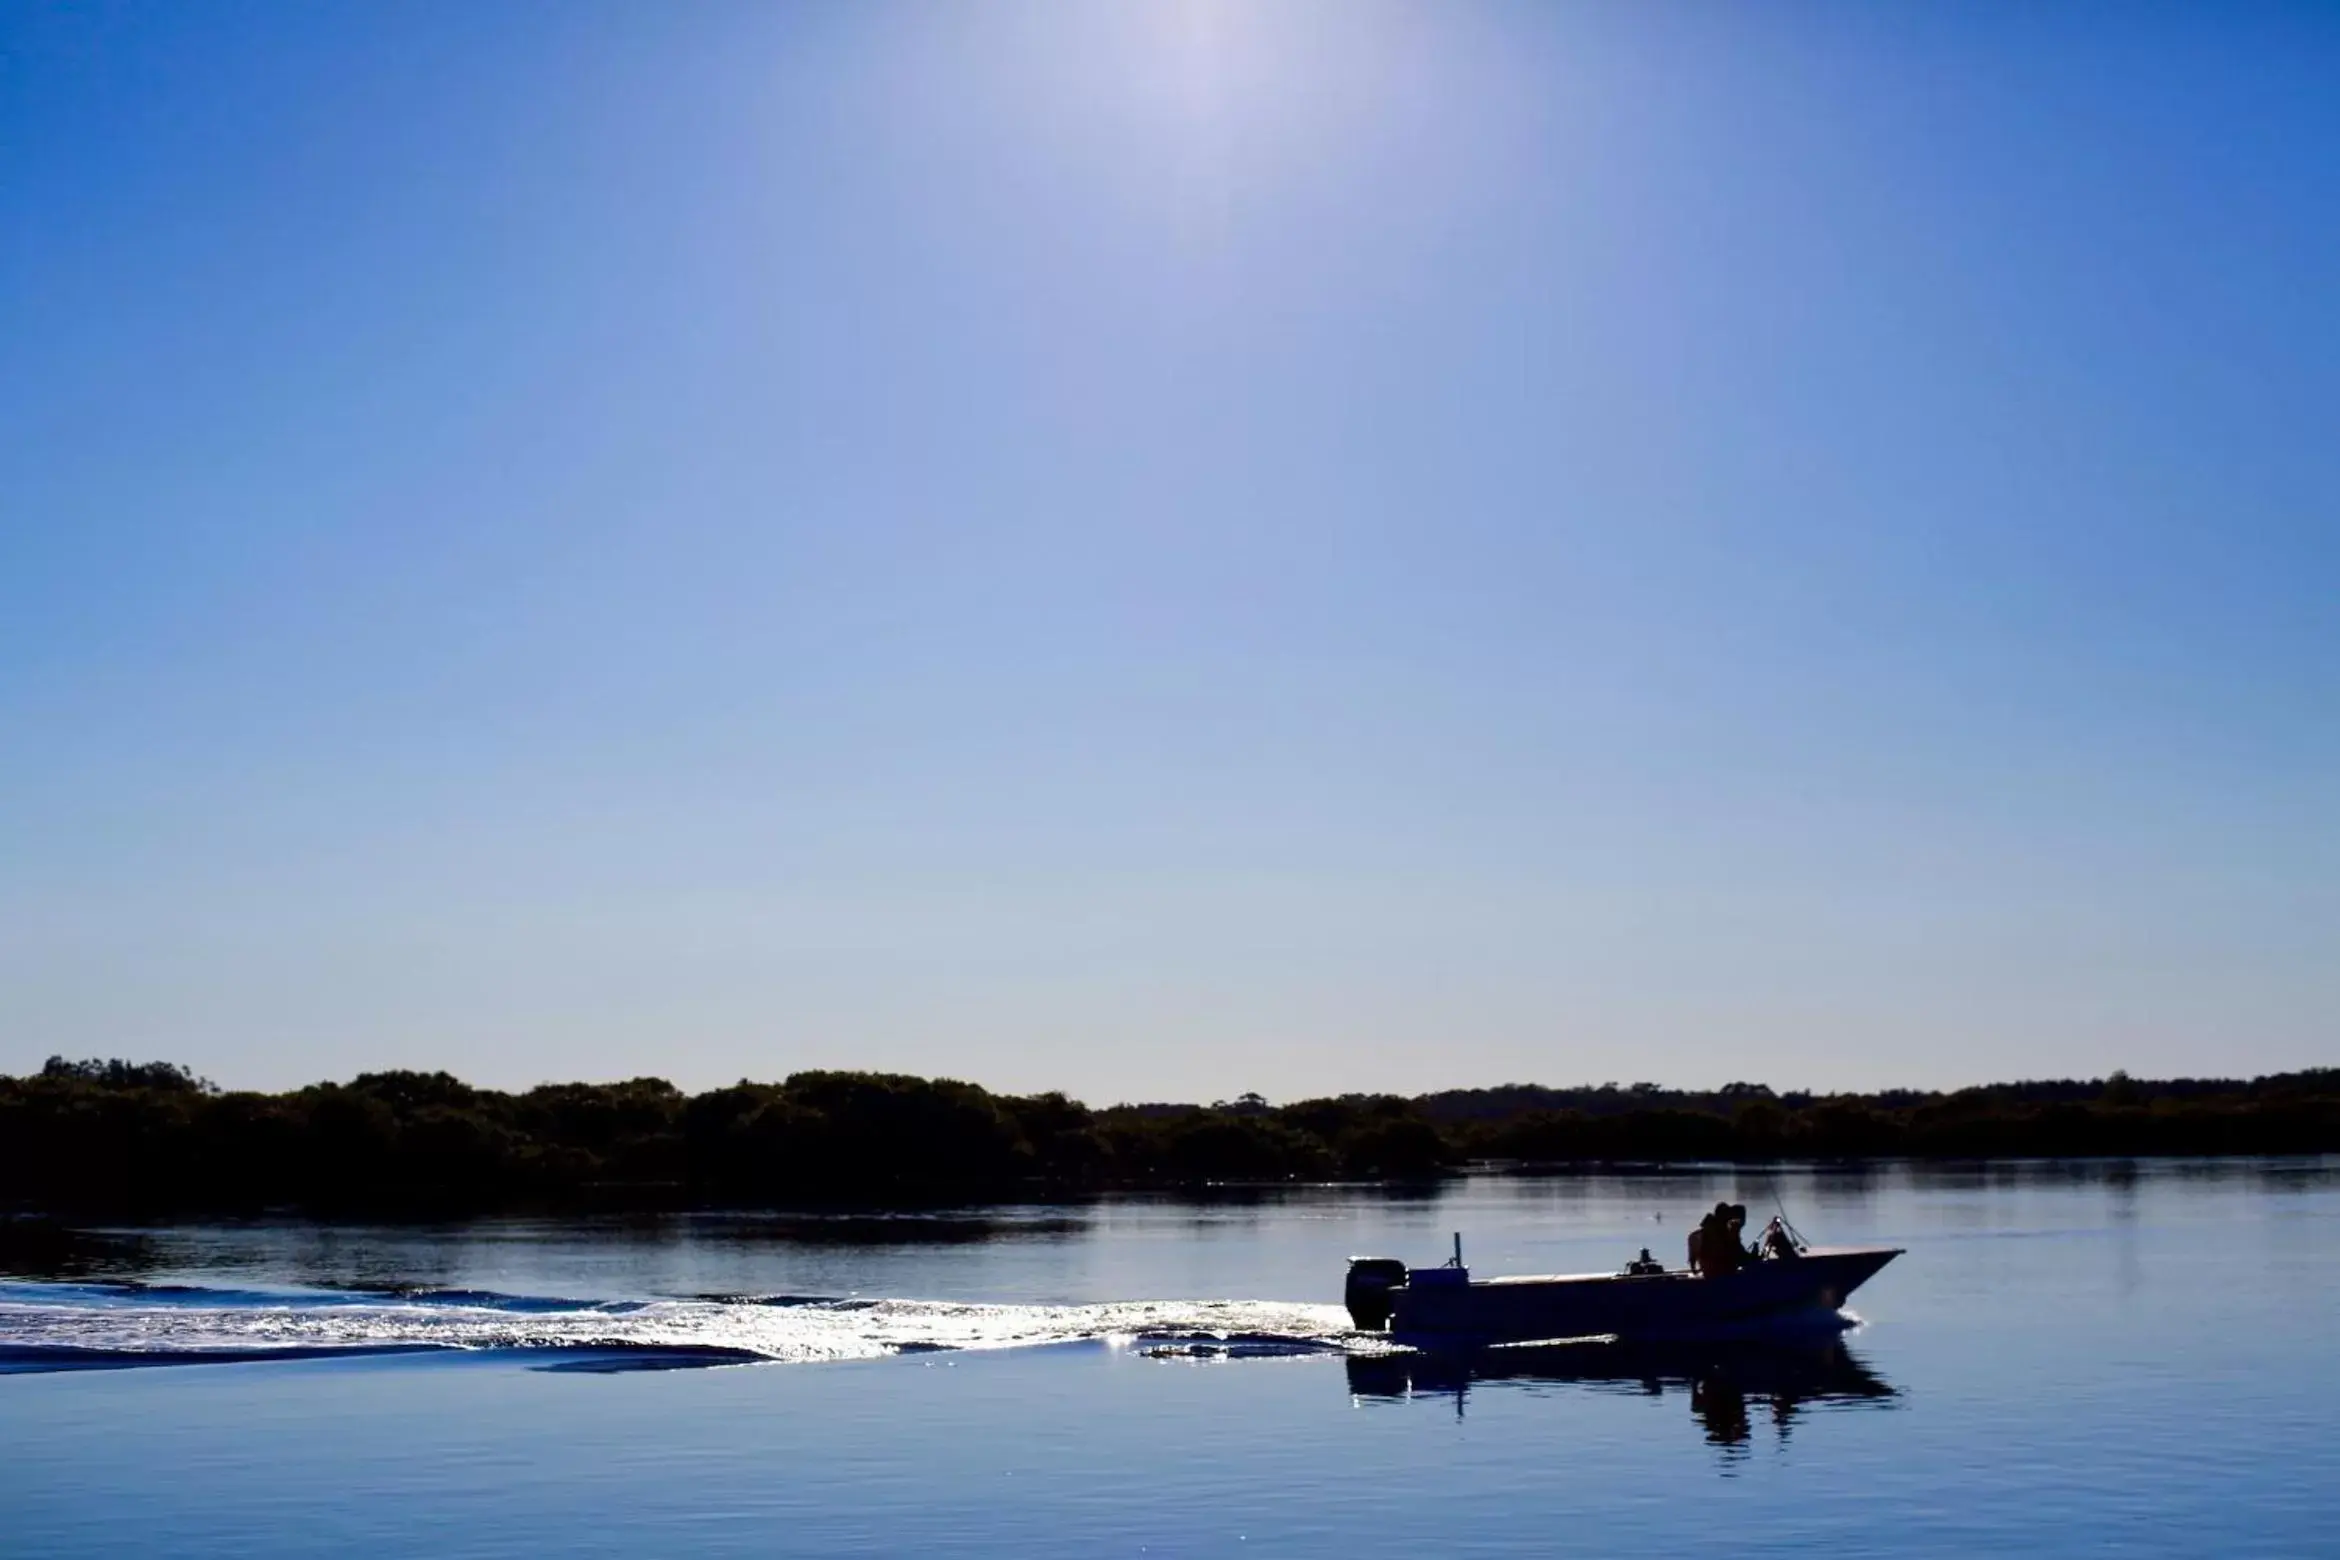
{"x": 1367, "y": 1291}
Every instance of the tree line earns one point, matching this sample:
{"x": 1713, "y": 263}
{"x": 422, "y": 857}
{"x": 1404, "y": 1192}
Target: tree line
{"x": 118, "y": 1136}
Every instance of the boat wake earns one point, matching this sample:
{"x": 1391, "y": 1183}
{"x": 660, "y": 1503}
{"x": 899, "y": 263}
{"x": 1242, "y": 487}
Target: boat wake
{"x": 114, "y": 1326}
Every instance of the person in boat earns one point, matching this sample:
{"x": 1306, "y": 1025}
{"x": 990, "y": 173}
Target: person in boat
{"x": 1734, "y": 1240}
{"x": 1644, "y": 1266}
{"x": 1714, "y": 1248}
{"x": 1698, "y": 1238}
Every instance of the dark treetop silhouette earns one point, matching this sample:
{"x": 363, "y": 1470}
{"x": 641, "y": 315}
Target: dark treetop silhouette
{"x": 153, "y": 1137}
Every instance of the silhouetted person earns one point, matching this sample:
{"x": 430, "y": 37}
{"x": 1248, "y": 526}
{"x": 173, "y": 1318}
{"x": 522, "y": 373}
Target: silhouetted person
{"x": 1700, "y": 1236}
{"x": 1719, "y": 1252}
{"x": 1715, "y": 1250}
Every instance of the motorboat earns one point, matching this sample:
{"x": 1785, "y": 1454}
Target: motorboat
{"x": 1794, "y": 1286}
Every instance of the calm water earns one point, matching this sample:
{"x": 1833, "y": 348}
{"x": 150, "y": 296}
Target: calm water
{"x": 2099, "y": 1359}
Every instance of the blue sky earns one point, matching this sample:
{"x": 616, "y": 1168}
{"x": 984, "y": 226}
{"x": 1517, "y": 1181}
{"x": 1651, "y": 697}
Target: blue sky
{"x": 1166, "y": 550}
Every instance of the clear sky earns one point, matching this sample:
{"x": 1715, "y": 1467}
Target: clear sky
{"x": 1166, "y": 550}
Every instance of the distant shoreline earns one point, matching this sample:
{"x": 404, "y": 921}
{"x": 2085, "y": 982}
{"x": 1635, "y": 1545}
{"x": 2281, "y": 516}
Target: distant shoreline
{"x": 117, "y": 1138}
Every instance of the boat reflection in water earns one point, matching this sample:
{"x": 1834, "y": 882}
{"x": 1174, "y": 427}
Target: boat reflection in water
{"x": 1727, "y": 1382}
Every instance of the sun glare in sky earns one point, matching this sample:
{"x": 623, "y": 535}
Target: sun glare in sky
{"x": 1163, "y": 550}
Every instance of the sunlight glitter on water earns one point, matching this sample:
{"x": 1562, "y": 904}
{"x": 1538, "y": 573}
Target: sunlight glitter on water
{"x": 187, "y": 1322}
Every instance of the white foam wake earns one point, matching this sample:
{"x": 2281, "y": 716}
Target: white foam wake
{"x": 39, "y": 1320}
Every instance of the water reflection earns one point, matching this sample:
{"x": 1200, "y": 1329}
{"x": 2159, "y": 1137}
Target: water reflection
{"x": 40, "y": 1248}
{"x": 1728, "y": 1383}
{"x": 878, "y": 1229}
{"x": 43, "y": 1248}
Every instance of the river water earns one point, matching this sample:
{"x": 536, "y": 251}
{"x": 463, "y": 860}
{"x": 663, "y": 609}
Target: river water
{"x": 2083, "y": 1358}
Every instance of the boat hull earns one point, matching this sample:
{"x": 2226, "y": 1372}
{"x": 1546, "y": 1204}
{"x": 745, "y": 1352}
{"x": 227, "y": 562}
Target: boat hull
{"x": 1804, "y": 1290}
